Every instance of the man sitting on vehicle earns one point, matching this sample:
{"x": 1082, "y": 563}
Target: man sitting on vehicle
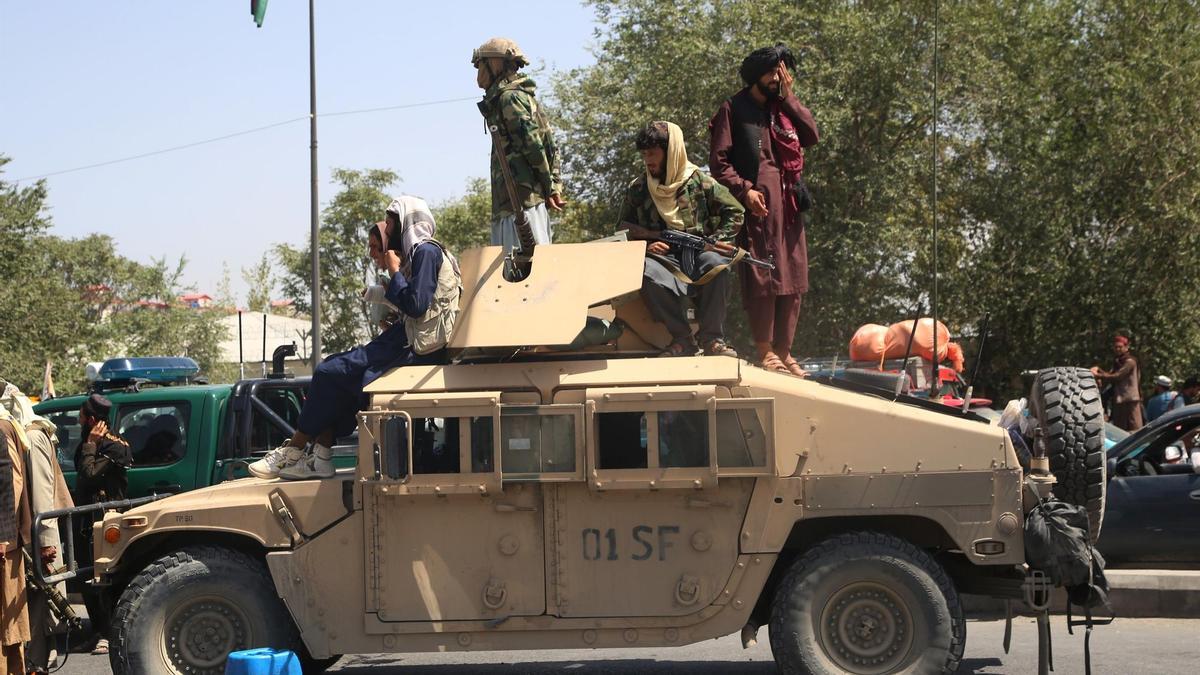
{"x": 425, "y": 288}
{"x": 675, "y": 194}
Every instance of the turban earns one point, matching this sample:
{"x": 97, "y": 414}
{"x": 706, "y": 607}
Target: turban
{"x": 762, "y": 61}
{"x": 97, "y": 406}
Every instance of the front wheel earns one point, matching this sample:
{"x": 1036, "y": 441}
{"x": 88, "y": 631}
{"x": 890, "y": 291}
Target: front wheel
{"x": 866, "y": 603}
{"x": 188, "y": 610}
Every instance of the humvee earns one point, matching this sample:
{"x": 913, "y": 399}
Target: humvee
{"x": 526, "y": 496}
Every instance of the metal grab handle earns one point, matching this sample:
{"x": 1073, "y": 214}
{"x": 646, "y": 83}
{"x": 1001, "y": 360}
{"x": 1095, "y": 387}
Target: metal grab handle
{"x": 73, "y": 568}
{"x": 1195, "y": 495}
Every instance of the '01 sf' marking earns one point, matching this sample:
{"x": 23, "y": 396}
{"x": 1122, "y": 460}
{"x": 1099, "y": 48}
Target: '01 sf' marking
{"x": 599, "y": 545}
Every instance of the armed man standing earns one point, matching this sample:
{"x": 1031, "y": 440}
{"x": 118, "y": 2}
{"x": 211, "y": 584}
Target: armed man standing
{"x": 674, "y": 194}
{"x": 47, "y": 491}
{"x": 524, "y": 158}
{"x": 102, "y": 460}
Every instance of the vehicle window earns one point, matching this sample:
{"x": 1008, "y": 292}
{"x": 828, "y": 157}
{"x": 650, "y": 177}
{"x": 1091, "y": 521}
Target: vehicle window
{"x": 683, "y": 438}
{"x": 483, "y": 445}
{"x": 68, "y": 434}
{"x": 535, "y": 444}
{"x": 435, "y": 445}
{"x": 264, "y": 435}
{"x": 1149, "y": 453}
{"x": 157, "y": 433}
{"x": 621, "y": 440}
{"x": 741, "y": 441}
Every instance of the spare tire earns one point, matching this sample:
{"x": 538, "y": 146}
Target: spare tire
{"x": 1066, "y": 403}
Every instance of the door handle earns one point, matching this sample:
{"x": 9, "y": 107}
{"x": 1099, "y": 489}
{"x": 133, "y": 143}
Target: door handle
{"x": 510, "y": 508}
{"x": 1195, "y": 495}
{"x": 170, "y": 488}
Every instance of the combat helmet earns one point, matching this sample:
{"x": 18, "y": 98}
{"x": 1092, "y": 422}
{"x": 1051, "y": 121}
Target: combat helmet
{"x": 501, "y": 48}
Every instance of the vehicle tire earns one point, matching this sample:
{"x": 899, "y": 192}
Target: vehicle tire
{"x": 866, "y": 602}
{"x": 1066, "y": 403}
{"x": 186, "y": 611}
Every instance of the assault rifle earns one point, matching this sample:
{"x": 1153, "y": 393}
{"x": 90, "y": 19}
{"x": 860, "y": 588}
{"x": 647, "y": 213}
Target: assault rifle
{"x": 696, "y": 242}
{"x": 60, "y": 607}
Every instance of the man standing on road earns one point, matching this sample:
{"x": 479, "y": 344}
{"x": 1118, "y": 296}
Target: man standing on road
{"x": 47, "y": 492}
{"x": 672, "y": 193}
{"x": 101, "y": 461}
{"x": 1124, "y": 377}
{"x": 756, "y": 150}
{"x": 515, "y": 118}
{"x": 1190, "y": 391}
{"x": 1164, "y": 400}
{"x": 14, "y": 533}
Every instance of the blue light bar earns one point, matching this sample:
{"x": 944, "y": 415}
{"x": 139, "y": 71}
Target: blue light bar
{"x": 157, "y": 369}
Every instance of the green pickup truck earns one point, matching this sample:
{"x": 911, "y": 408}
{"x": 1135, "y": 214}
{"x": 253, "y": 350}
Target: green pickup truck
{"x": 186, "y": 435}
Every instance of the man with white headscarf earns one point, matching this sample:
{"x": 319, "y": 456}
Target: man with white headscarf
{"x": 425, "y": 287}
{"x": 675, "y": 194}
{"x": 47, "y": 491}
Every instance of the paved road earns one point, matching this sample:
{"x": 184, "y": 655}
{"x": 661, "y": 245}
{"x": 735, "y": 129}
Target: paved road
{"x": 1163, "y": 646}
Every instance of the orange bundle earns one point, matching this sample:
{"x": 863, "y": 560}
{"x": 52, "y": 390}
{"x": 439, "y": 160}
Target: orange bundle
{"x": 867, "y": 343}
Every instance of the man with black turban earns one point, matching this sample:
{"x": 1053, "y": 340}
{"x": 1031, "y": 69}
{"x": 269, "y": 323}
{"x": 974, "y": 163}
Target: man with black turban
{"x": 101, "y": 460}
{"x": 756, "y": 150}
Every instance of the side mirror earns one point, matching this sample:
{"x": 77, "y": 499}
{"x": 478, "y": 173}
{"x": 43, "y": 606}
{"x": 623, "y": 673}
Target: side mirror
{"x": 397, "y": 439}
{"x": 1110, "y": 468}
{"x": 1195, "y": 460}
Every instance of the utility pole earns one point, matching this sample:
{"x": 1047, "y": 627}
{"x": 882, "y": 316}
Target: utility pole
{"x": 315, "y": 222}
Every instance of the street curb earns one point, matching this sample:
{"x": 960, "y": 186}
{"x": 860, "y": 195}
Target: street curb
{"x": 1167, "y": 594}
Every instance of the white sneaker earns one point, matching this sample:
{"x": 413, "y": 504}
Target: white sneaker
{"x": 276, "y": 460}
{"x": 318, "y": 464}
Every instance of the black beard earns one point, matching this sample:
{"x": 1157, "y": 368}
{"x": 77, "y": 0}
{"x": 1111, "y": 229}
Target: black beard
{"x": 766, "y": 92}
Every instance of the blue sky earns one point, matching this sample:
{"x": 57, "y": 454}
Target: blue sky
{"x": 87, "y": 82}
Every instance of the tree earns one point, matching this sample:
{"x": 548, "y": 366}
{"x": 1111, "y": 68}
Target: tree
{"x": 260, "y": 282}
{"x": 1067, "y": 151}
{"x": 345, "y": 267}
{"x": 465, "y": 222}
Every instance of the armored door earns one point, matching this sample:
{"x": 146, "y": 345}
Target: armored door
{"x": 445, "y": 540}
{"x": 654, "y": 530}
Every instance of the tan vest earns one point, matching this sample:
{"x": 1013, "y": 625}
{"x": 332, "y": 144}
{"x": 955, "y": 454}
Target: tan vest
{"x": 431, "y": 331}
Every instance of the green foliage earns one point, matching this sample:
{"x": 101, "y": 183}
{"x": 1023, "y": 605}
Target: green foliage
{"x": 345, "y": 267}
{"x": 260, "y": 283}
{"x": 465, "y": 222}
{"x": 1067, "y": 143}
{"x": 70, "y": 301}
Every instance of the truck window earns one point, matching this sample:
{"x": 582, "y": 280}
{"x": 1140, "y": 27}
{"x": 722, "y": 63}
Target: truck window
{"x": 683, "y": 438}
{"x": 533, "y": 444}
{"x": 483, "y": 444}
{"x": 435, "y": 445}
{"x": 157, "y": 433}
{"x": 69, "y": 435}
{"x": 621, "y": 440}
{"x": 741, "y": 441}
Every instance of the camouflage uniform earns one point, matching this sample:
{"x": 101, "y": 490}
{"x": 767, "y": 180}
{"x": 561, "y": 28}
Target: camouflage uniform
{"x": 708, "y": 209}
{"x": 510, "y": 106}
{"x": 703, "y": 202}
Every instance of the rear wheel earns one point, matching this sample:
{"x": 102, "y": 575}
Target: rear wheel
{"x": 185, "y": 612}
{"x": 1066, "y": 402}
{"x": 866, "y": 603}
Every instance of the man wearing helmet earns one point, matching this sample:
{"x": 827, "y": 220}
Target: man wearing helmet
{"x": 513, "y": 114}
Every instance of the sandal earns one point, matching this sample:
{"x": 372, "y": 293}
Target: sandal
{"x": 793, "y": 366}
{"x": 679, "y": 348}
{"x": 718, "y": 348}
{"x": 770, "y": 361}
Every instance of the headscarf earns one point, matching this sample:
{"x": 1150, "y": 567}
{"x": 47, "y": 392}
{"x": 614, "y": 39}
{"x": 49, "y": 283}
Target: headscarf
{"x": 416, "y": 227}
{"x": 679, "y": 170}
{"x": 763, "y": 60}
{"x": 18, "y": 406}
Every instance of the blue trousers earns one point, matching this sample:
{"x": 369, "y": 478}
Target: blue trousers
{"x": 335, "y": 394}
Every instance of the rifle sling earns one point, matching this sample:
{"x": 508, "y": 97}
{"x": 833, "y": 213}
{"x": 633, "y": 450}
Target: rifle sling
{"x": 707, "y": 276}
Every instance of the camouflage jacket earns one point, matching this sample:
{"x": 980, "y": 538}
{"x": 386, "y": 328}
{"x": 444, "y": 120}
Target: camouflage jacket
{"x": 510, "y": 106}
{"x": 706, "y": 205}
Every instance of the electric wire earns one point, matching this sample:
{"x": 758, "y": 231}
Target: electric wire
{"x": 236, "y": 134}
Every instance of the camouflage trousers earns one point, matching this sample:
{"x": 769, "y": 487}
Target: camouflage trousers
{"x": 504, "y": 228}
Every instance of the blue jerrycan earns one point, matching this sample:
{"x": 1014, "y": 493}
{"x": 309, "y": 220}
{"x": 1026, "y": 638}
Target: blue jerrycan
{"x": 265, "y": 661}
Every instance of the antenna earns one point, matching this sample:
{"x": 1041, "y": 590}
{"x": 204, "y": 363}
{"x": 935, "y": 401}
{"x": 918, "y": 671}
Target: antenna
{"x": 935, "y": 387}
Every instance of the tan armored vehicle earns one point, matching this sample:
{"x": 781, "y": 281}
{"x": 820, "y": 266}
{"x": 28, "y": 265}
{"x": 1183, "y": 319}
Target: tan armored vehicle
{"x": 539, "y": 497}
